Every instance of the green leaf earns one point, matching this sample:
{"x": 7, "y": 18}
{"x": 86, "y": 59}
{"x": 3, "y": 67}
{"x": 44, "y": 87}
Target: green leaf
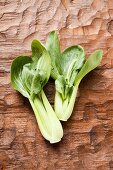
{"x": 41, "y": 59}
{"x": 71, "y": 61}
{"x": 60, "y": 85}
{"x": 36, "y": 86}
{"x": 27, "y": 76}
{"x": 92, "y": 62}
{"x": 16, "y": 74}
{"x": 42, "y": 66}
{"x": 53, "y": 48}
{"x": 37, "y": 49}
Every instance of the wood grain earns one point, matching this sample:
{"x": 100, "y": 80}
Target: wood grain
{"x": 88, "y": 135}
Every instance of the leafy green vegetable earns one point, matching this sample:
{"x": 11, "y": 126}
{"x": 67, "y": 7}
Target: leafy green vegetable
{"x": 53, "y": 48}
{"x": 68, "y": 69}
{"x": 28, "y": 76}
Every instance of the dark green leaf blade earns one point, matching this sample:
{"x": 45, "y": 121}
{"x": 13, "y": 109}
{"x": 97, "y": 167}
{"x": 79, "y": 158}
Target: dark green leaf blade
{"x": 27, "y": 76}
{"x": 53, "y": 47}
{"x": 60, "y": 85}
{"x": 41, "y": 65}
{"x": 16, "y": 74}
{"x": 72, "y": 60}
{"x": 44, "y": 66}
{"x": 37, "y": 49}
{"x": 92, "y": 62}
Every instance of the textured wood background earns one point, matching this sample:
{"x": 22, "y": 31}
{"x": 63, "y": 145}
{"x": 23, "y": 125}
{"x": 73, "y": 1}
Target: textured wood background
{"x": 88, "y": 135}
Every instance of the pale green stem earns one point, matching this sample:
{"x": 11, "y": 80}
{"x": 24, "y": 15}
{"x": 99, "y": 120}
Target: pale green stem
{"x": 63, "y": 109}
{"x": 58, "y": 105}
{"x": 48, "y": 122}
{"x": 65, "y": 104}
{"x": 40, "y": 121}
{"x": 70, "y": 107}
{"x": 56, "y": 127}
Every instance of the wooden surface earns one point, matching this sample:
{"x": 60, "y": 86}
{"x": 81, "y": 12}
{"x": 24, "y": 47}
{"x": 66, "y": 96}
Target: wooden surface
{"x": 88, "y": 135}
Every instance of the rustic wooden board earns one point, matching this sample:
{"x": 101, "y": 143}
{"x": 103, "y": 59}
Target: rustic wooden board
{"x": 88, "y": 135}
